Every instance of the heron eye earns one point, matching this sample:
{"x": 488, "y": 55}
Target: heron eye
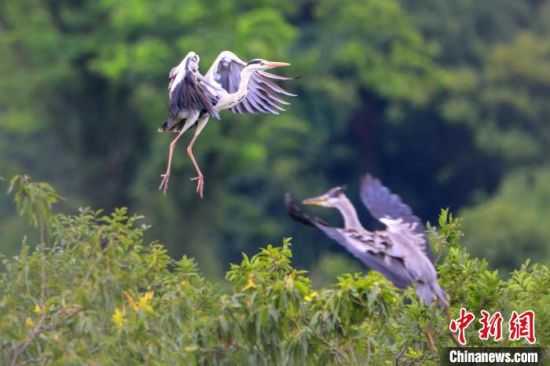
{"x": 336, "y": 192}
{"x": 255, "y": 61}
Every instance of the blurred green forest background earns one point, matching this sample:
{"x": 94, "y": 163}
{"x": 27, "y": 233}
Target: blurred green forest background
{"x": 446, "y": 101}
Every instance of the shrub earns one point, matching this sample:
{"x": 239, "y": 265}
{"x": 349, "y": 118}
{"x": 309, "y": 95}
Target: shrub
{"x": 96, "y": 293}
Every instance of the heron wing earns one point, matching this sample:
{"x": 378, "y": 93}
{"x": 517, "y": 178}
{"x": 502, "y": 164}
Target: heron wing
{"x": 226, "y": 71}
{"x": 363, "y": 246}
{"x": 296, "y": 213}
{"x": 186, "y": 92}
{"x": 399, "y": 219}
{"x": 263, "y": 96}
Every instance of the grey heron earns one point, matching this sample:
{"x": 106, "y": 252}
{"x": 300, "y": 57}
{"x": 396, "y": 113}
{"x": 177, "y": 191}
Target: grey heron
{"x": 401, "y": 252}
{"x": 230, "y": 83}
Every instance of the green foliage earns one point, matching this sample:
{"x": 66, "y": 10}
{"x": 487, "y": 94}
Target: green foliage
{"x": 528, "y": 290}
{"x": 107, "y": 297}
{"x": 430, "y": 96}
{"x": 514, "y": 126}
{"x": 33, "y": 200}
{"x": 84, "y": 88}
{"x": 331, "y": 265}
{"x": 508, "y": 229}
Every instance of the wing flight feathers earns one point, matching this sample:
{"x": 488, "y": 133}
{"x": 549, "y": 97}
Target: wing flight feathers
{"x": 390, "y": 210}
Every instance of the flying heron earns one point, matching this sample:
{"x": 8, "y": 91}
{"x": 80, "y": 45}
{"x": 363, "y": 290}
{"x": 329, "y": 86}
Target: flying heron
{"x": 230, "y": 83}
{"x": 401, "y": 252}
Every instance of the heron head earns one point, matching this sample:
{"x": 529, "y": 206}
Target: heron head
{"x": 193, "y": 61}
{"x": 332, "y": 198}
{"x": 259, "y": 64}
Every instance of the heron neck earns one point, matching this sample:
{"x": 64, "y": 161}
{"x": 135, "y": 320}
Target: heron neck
{"x": 351, "y": 220}
{"x": 246, "y": 74}
{"x": 229, "y": 100}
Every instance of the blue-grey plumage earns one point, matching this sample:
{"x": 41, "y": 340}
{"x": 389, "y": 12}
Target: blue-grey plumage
{"x": 230, "y": 83}
{"x": 400, "y": 253}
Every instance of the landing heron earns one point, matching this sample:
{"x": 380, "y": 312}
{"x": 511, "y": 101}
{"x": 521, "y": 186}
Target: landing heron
{"x": 230, "y": 83}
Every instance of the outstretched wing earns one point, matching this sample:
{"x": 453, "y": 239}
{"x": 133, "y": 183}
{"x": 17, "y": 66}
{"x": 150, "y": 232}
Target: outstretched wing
{"x": 185, "y": 90}
{"x": 264, "y": 95}
{"x": 388, "y": 208}
{"x": 361, "y": 245}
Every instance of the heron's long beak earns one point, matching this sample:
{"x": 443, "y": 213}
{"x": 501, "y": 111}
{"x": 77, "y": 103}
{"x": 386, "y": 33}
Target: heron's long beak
{"x": 315, "y": 201}
{"x": 273, "y": 64}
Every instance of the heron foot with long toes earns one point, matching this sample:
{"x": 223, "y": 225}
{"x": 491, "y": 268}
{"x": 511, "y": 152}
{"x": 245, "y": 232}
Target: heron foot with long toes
{"x": 164, "y": 183}
{"x": 200, "y": 184}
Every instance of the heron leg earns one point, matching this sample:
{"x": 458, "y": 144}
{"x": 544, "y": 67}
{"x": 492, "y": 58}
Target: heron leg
{"x": 199, "y": 178}
{"x": 166, "y": 176}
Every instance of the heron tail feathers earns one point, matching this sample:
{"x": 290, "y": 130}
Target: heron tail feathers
{"x": 170, "y": 126}
{"x": 428, "y": 291}
{"x": 441, "y": 295}
{"x": 165, "y": 126}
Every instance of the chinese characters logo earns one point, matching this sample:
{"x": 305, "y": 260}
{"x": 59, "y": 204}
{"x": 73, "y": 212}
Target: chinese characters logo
{"x": 520, "y": 326}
